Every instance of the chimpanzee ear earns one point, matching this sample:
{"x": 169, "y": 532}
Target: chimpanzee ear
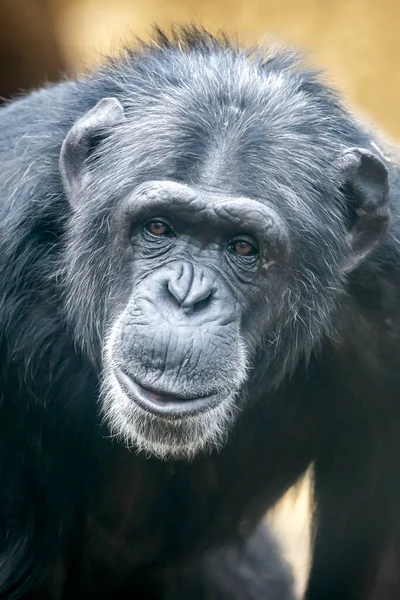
{"x": 367, "y": 191}
{"x": 82, "y": 139}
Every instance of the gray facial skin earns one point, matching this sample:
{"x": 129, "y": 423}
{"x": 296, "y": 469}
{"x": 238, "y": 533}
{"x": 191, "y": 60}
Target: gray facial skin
{"x": 176, "y": 356}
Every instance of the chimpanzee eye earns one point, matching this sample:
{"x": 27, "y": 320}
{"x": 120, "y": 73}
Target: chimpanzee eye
{"x": 158, "y": 227}
{"x": 243, "y": 246}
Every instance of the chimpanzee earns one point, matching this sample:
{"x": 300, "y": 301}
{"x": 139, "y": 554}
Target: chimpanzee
{"x": 199, "y": 299}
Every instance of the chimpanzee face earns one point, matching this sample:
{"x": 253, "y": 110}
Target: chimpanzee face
{"x": 186, "y": 292}
{"x": 177, "y": 353}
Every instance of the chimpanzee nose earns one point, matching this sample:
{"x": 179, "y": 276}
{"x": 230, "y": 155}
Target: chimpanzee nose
{"x": 190, "y": 286}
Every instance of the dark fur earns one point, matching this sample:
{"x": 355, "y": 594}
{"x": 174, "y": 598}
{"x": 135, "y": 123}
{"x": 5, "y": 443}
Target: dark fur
{"x": 237, "y": 573}
{"x": 81, "y": 512}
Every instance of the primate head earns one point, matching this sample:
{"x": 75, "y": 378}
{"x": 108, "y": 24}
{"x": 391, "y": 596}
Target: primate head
{"x": 218, "y": 204}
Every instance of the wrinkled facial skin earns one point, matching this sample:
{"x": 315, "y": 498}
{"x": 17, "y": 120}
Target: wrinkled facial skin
{"x": 177, "y": 351}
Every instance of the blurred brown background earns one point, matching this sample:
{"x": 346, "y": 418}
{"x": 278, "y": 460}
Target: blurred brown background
{"x": 356, "y": 41}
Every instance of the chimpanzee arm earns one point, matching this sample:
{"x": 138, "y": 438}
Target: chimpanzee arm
{"x": 254, "y": 570}
{"x": 354, "y": 514}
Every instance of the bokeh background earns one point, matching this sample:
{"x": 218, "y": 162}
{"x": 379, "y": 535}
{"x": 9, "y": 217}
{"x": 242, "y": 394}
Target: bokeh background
{"x": 356, "y": 41}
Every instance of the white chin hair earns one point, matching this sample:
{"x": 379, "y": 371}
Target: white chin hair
{"x": 164, "y": 438}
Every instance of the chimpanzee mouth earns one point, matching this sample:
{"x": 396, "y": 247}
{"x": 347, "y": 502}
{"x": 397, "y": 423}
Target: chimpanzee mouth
{"x": 165, "y": 404}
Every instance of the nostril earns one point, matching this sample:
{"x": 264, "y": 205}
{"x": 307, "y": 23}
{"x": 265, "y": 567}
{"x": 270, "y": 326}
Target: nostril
{"x": 202, "y": 304}
{"x": 172, "y": 293}
{"x": 180, "y": 281}
{"x": 197, "y": 306}
{"x": 191, "y": 292}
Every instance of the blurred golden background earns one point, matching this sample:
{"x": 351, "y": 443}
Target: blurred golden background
{"x": 356, "y": 41}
